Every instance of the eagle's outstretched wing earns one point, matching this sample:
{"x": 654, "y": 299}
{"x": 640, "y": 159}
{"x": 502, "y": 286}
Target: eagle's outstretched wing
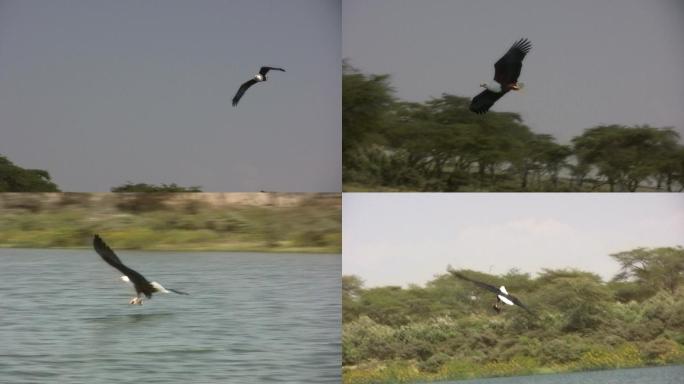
{"x": 264, "y": 70}
{"x": 508, "y": 67}
{"x": 141, "y": 284}
{"x": 484, "y": 100}
{"x": 478, "y": 283}
{"x": 517, "y": 302}
{"x": 242, "y": 90}
{"x": 491, "y": 288}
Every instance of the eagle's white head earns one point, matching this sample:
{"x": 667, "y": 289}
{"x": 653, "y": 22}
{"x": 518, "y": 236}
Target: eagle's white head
{"x": 259, "y": 77}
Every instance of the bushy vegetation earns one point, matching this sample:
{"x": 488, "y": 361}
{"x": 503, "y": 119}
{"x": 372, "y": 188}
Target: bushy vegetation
{"x": 439, "y": 145}
{"x": 448, "y": 330}
{"x": 16, "y": 179}
{"x": 153, "y": 188}
{"x": 28, "y": 221}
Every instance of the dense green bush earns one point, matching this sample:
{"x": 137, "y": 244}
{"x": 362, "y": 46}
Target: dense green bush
{"x": 441, "y": 331}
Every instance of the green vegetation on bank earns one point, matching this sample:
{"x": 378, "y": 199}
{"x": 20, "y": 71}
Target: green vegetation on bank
{"x": 145, "y": 187}
{"x": 448, "y": 330}
{"x": 439, "y": 145}
{"x": 310, "y": 223}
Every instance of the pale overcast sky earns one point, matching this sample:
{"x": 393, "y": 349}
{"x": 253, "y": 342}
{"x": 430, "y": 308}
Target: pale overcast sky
{"x": 100, "y": 92}
{"x": 402, "y": 238}
{"x": 592, "y": 62}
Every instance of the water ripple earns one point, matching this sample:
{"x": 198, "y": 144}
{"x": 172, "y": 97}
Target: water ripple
{"x": 250, "y": 318}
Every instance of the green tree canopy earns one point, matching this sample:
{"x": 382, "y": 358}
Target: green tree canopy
{"x": 16, "y": 179}
{"x": 653, "y": 269}
{"x": 626, "y": 156}
{"x": 440, "y": 145}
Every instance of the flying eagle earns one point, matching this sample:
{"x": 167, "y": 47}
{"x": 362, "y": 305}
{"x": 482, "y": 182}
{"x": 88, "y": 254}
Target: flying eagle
{"x": 261, "y": 76}
{"x": 141, "y": 285}
{"x": 502, "y": 296}
{"x": 506, "y": 72}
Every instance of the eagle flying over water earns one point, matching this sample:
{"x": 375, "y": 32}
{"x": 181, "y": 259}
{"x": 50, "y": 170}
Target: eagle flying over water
{"x": 141, "y": 285}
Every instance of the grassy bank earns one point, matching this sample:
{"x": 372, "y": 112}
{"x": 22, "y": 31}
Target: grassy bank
{"x": 628, "y": 355}
{"x": 309, "y": 226}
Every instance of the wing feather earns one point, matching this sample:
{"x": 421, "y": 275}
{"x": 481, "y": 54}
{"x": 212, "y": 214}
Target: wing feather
{"x": 484, "y": 100}
{"x": 507, "y": 68}
{"x": 519, "y": 303}
{"x": 264, "y": 70}
{"x": 141, "y": 284}
{"x": 242, "y": 90}
{"x": 478, "y": 283}
{"x": 492, "y": 288}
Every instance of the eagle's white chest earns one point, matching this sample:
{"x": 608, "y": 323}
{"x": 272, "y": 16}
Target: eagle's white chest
{"x": 504, "y": 298}
{"x": 494, "y": 87}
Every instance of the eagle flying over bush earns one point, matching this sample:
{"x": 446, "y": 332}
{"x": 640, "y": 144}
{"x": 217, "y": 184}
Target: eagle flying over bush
{"x": 506, "y": 72}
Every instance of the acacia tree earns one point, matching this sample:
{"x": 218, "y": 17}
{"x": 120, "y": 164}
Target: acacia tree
{"x": 670, "y": 167}
{"x": 624, "y": 156}
{"x": 653, "y": 269}
{"x": 541, "y": 157}
{"x": 16, "y": 179}
{"x": 439, "y": 145}
{"x": 450, "y": 146}
{"x": 365, "y": 100}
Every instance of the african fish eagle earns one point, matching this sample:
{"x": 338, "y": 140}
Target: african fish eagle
{"x": 141, "y": 285}
{"x": 502, "y": 296}
{"x": 260, "y": 77}
{"x": 506, "y": 72}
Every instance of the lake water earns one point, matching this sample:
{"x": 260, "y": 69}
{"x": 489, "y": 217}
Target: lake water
{"x": 250, "y": 318}
{"x": 655, "y": 375}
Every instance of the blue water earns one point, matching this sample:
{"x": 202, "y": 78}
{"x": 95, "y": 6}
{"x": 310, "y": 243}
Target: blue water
{"x": 656, "y": 375}
{"x": 250, "y": 318}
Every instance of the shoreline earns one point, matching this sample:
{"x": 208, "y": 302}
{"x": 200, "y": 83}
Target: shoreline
{"x": 286, "y": 250}
{"x": 414, "y": 376}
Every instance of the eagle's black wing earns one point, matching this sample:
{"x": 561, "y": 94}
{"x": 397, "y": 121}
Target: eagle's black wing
{"x": 177, "y": 291}
{"x": 517, "y": 302}
{"x": 478, "y": 283}
{"x": 242, "y": 90}
{"x": 494, "y": 289}
{"x": 484, "y": 100}
{"x": 264, "y": 70}
{"x": 507, "y": 69}
{"x": 141, "y": 284}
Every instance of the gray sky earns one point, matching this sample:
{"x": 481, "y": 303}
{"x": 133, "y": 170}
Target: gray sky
{"x": 401, "y": 238}
{"x": 101, "y": 92}
{"x": 592, "y": 62}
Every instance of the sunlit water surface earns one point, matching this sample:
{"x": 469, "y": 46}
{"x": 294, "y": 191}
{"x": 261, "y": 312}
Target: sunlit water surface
{"x": 250, "y": 318}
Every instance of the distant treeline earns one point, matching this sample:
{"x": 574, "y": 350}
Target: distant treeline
{"x": 264, "y": 222}
{"x": 439, "y": 145}
{"x": 448, "y": 329}
{"x": 14, "y": 178}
